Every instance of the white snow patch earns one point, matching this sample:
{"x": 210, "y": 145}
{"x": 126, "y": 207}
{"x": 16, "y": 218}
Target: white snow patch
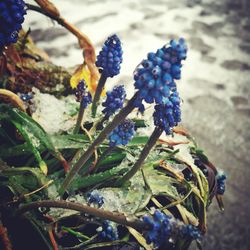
{"x": 54, "y": 114}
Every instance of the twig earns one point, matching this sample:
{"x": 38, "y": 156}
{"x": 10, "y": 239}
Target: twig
{"x": 116, "y": 217}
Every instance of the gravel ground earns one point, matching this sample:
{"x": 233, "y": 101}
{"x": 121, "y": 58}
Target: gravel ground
{"x": 215, "y": 86}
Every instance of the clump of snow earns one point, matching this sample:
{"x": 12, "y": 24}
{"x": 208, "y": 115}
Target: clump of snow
{"x": 53, "y": 114}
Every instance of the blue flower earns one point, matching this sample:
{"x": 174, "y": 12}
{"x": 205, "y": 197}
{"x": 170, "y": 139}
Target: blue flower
{"x": 168, "y": 114}
{"x": 221, "y": 179}
{"x": 95, "y": 198}
{"x": 109, "y": 231}
{"x": 155, "y": 76}
{"x": 191, "y": 232}
{"x": 26, "y": 97}
{"x": 122, "y": 134}
{"x": 160, "y": 228}
{"x": 110, "y": 57}
{"x": 82, "y": 94}
{"x": 11, "y": 18}
{"x": 114, "y": 100}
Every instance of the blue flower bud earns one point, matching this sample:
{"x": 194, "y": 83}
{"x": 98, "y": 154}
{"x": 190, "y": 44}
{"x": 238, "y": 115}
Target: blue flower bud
{"x": 158, "y": 72}
{"x": 168, "y": 114}
{"x": 109, "y": 231}
{"x": 114, "y": 100}
{"x": 221, "y": 179}
{"x": 11, "y": 17}
{"x": 122, "y": 134}
{"x": 95, "y": 198}
{"x": 110, "y": 57}
{"x": 160, "y": 226}
{"x": 191, "y": 232}
{"x": 82, "y": 94}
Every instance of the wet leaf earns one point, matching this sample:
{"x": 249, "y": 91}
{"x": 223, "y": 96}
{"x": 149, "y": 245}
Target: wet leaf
{"x": 94, "y": 179}
{"x": 31, "y": 131}
{"x": 163, "y": 185}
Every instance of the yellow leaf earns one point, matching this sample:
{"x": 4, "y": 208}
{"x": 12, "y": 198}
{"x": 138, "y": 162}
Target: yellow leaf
{"x": 139, "y": 238}
{"x": 83, "y": 73}
{"x": 10, "y": 97}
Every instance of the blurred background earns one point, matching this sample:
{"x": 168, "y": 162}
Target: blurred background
{"x": 215, "y": 84}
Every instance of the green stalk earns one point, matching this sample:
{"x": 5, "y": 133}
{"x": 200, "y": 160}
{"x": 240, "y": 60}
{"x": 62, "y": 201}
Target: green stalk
{"x": 98, "y": 93}
{"x": 100, "y": 138}
{"x": 146, "y": 150}
{"x": 79, "y": 118}
{"x": 75, "y": 233}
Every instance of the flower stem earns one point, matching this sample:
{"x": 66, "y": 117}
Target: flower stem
{"x": 100, "y": 138}
{"x": 79, "y": 118}
{"x": 98, "y": 92}
{"x": 116, "y": 217}
{"x": 147, "y": 148}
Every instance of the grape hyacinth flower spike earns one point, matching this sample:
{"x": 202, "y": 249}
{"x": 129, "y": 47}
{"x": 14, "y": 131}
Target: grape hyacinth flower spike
{"x": 221, "y": 187}
{"x": 156, "y": 82}
{"x": 155, "y": 77}
{"x": 168, "y": 114}
{"x": 11, "y": 19}
{"x": 162, "y": 87}
{"x": 109, "y": 231}
{"x": 108, "y": 61}
{"x": 114, "y": 100}
{"x": 121, "y": 135}
{"x": 190, "y": 232}
{"x": 221, "y": 179}
{"x": 95, "y": 199}
{"x": 84, "y": 97}
{"x": 162, "y": 227}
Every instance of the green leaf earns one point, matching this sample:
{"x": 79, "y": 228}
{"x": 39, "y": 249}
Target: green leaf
{"x": 18, "y": 150}
{"x": 128, "y": 200}
{"x": 162, "y": 185}
{"x": 26, "y": 179}
{"x": 32, "y": 132}
{"x": 139, "y": 123}
{"x": 83, "y": 182}
{"x": 112, "y": 159}
{"x": 70, "y": 141}
{"x": 138, "y": 140}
